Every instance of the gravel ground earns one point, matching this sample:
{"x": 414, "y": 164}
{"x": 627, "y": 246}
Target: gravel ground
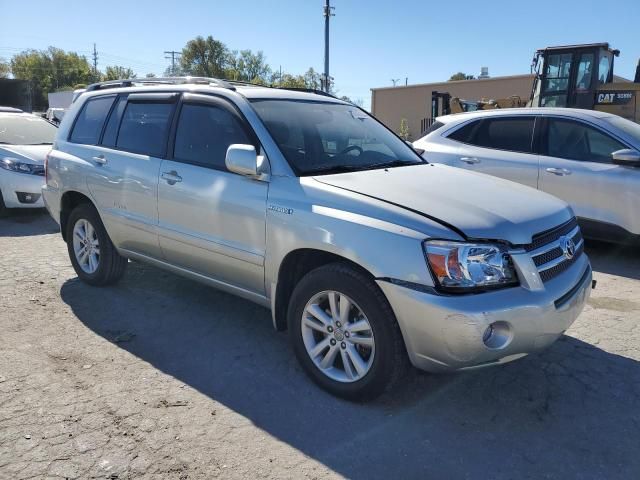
{"x": 160, "y": 377}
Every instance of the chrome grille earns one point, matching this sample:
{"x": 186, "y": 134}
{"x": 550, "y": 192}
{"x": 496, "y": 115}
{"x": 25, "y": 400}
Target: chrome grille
{"x": 547, "y": 253}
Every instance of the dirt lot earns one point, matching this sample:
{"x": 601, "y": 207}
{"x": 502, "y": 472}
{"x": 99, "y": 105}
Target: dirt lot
{"x": 160, "y": 377}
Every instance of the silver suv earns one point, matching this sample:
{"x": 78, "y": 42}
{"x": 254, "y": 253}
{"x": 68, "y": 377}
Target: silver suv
{"x": 366, "y": 253}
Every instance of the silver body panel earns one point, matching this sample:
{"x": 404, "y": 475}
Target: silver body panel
{"x": 233, "y": 232}
{"x": 603, "y": 192}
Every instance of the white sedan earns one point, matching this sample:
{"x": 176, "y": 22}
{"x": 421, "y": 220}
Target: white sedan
{"x": 25, "y": 140}
{"x": 589, "y": 159}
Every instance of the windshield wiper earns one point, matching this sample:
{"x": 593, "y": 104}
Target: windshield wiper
{"x": 357, "y": 168}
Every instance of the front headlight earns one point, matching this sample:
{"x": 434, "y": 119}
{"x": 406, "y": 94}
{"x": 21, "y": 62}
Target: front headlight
{"x": 462, "y": 267}
{"x": 13, "y": 165}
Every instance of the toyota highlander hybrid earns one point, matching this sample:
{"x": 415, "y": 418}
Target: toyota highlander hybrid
{"x": 367, "y": 254}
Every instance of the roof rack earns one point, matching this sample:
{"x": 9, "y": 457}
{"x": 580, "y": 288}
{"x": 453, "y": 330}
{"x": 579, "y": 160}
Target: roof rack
{"x": 295, "y": 89}
{"x": 160, "y": 81}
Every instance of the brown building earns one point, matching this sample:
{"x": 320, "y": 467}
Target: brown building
{"x": 413, "y": 102}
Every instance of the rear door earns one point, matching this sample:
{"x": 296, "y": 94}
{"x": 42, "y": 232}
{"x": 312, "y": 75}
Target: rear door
{"x": 124, "y": 182}
{"x": 576, "y": 166}
{"x": 212, "y": 221}
{"x": 499, "y": 146}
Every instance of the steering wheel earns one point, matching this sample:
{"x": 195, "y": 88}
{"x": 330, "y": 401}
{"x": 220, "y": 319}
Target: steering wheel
{"x": 351, "y": 147}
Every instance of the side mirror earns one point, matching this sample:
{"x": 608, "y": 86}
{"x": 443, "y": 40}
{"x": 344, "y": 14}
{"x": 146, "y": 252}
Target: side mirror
{"x": 626, "y": 157}
{"x": 242, "y": 159}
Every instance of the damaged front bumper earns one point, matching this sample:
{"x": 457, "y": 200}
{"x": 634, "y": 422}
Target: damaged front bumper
{"x": 452, "y": 332}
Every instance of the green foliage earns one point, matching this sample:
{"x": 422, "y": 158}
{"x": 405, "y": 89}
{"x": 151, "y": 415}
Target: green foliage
{"x": 150, "y": 75}
{"x": 5, "y": 68}
{"x": 247, "y": 66}
{"x": 205, "y": 57}
{"x": 50, "y": 70}
{"x": 404, "y": 129}
{"x": 116, "y": 72}
{"x": 461, "y": 76}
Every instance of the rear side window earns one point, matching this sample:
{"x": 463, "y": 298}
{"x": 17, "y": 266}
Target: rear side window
{"x": 434, "y": 126}
{"x": 205, "y": 132}
{"x": 91, "y": 119}
{"x": 513, "y": 134}
{"x": 111, "y": 130}
{"x": 144, "y": 128}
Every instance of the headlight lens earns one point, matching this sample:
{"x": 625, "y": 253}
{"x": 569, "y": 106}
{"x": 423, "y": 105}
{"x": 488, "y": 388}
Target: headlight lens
{"x": 14, "y": 165}
{"x": 462, "y": 267}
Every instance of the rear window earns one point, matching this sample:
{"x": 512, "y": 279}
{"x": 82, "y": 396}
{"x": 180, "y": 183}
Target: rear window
{"x": 434, "y": 126}
{"x": 26, "y": 130}
{"x": 89, "y": 123}
{"x": 513, "y": 134}
{"x": 144, "y": 128}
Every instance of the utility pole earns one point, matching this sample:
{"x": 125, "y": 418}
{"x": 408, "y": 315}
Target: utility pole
{"x": 95, "y": 63}
{"x": 172, "y": 54}
{"x": 326, "y": 79}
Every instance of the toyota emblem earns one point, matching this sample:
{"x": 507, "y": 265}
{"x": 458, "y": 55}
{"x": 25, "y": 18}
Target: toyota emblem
{"x": 568, "y": 247}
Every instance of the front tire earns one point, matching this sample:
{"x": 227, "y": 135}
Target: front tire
{"x": 345, "y": 334}
{"x": 93, "y": 256}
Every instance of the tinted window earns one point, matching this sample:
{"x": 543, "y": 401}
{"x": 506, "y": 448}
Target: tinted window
{"x": 91, "y": 119}
{"x": 434, "y": 126}
{"x": 513, "y": 134}
{"x": 205, "y": 132}
{"x": 577, "y": 141}
{"x": 111, "y": 130}
{"x": 144, "y": 128}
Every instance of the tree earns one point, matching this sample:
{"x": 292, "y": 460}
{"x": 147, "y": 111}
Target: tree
{"x": 116, "y": 72}
{"x": 50, "y": 70}
{"x": 461, "y": 76}
{"x": 205, "y": 57}
{"x": 150, "y": 75}
{"x": 5, "y": 68}
{"x": 404, "y": 129}
{"x": 358, "y": 102}
{"x": 248, "y": 67}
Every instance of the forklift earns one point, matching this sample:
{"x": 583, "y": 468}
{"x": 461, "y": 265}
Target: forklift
{"x": 581, "y": 76}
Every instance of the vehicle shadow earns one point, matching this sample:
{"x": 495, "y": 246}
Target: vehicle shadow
{"x": 570, "y": 412}
{"x": 27, "y": 222}
{"x": 621, "y": 260}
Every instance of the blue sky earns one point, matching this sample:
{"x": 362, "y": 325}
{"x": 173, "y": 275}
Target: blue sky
{"x": 372, "y": 41}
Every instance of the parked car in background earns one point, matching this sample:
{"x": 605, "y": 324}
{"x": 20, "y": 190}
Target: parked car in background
{"x": 309, "y": 206}
{"x": 55, "y": 115}
{"x": 589, "y": 159}
{"x": 25, "y": 140}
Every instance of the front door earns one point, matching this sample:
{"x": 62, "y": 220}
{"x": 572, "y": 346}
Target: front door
{"x": 576, "y": 166}
{"x": 212, "y": 221}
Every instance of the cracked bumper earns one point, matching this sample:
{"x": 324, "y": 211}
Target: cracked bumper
{"x": 445, "y": 333}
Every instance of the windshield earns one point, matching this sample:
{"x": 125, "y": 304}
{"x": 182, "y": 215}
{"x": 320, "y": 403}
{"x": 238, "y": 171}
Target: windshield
{"x": 26, "y": 130}
{"x": 627, "y": 126}
{"x": 324, "y": 138}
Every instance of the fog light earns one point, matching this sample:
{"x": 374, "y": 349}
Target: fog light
{"x": 497, "y": 335}
{"x": 26, "y": 197}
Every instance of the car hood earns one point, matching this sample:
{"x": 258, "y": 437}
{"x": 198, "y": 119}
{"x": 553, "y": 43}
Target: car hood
{"x": 473, "y": 204}
{"x": 26, "y": 153}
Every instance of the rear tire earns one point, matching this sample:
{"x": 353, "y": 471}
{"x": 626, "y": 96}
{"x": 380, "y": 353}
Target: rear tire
{"x": 370, "y": 336}
{"x": 93, "y": 256}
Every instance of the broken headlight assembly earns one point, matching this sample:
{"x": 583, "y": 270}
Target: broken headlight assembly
{"x": 468, "y": 267}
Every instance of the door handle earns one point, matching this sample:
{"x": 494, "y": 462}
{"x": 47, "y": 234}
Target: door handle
{"x": 171, "y": 177}
{"x": 470, "y": 160}
{"x": 99, "y": 159}
{"x": 559, "y": 171}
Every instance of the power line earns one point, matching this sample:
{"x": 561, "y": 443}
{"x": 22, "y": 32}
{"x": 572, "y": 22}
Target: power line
{"x": 172, "y": 54}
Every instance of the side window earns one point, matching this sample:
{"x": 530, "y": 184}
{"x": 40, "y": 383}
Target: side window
{"x": 144, "y": 127}
{"x": 513, "y": 134}
{"x": 466, "y": 134}
{"x": 111, "y": 130}
{"x": 205, "y": 132}
{"x": 577, "y": 141}
{"x": 90, "y": 120}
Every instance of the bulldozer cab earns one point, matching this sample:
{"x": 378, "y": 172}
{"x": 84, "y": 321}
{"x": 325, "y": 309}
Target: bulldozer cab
{"x": 569, "y": 76}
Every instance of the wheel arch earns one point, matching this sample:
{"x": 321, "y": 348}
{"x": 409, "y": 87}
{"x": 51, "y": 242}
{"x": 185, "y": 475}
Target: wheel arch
{"x": 295, "y": 265}
{"x": 70, "y": 200}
